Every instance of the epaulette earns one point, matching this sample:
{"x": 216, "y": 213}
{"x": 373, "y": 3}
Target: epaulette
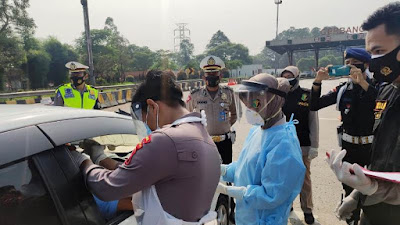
{"x": 194, "y": 90}
{"x": 60, "y": 86}
{"x": 227, "y": 87}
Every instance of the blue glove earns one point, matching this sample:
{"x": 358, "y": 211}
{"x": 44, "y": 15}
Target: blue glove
{"x": 223, "y": 170}
{"x": 107, "y": 209}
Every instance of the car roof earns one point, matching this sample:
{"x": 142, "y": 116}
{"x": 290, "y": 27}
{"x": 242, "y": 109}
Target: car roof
{"x": 18, "y": 116}
{"x": 26, "y": 130}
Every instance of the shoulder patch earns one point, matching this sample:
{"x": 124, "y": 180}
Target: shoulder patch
{"x": 194, "y": 90}
{"x": 139, "y": 146}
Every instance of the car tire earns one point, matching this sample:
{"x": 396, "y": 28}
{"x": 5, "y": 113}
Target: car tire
{"x": 222, "y": 210}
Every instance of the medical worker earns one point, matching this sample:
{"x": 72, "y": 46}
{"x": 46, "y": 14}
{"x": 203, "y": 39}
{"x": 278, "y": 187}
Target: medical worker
{"x": 270, "y": 171}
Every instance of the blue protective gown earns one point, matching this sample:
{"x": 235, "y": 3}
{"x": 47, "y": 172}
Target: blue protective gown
{"x": 271, "y": 167}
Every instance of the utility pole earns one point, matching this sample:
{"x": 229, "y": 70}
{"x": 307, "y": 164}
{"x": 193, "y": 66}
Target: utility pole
{"x": 88, "y": 41}
{"x": 180, "y": 35}
{"x": 277, "y": 2}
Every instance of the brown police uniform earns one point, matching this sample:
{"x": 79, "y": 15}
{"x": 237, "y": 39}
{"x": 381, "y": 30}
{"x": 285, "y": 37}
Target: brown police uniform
{"x": 181, "y": 161}
{"x": 221, "y": 114}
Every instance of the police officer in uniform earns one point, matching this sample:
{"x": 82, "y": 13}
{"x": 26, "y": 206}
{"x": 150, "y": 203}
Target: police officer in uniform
{"x": 173, "y": 173}
{"x": 218, "y": 103}
{"x": 382, "y": 201}
{"x": 355, "y": 100}
{"x": 298, "y": 103}
{"x": 77, "y": 94}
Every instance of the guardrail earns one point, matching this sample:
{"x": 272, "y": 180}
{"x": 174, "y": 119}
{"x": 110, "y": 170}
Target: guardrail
{"x": 108, "y": 95}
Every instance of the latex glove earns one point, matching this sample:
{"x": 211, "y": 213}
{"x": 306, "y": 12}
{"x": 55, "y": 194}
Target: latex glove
{"x": 345, "y": 209}
{"x": 94, "y": 150}
{"x": 313, "y": 153}
{"x": 236, "y": 192}
{"x": 223, "y": 170}
{"x": 79, "y": 157}
{"x": 344, "y": 170}
{"x": 222, "y": 188}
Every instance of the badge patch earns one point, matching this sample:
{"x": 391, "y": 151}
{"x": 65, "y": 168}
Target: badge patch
{"x": 379, "y": 107}
{"x": 304, "y": 97}
{"x": 222, "y": 116}
{"x": 69, "y": 93}
{"x": 224, "y": 96}
{"x": 256, "y": 103}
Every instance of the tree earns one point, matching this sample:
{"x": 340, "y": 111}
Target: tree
{"x": 266, "y": 58}
{"x": 164, "y": 60}
{"x": 329, "y": 60}
{"x": 142, "y": 57}
{"x": 14, "y": 15}
{"x": 217, "y": 39}
{"x": 305, "y": 64}
{"x": 231, "y": 52}
{"x": 185, "y": 52}
{"x": 59, "y": 57}
{"x": 38, "y": 67}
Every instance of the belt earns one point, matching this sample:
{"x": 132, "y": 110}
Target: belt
{"x": 361, "y": 140}
{"x": 219, "y": 138}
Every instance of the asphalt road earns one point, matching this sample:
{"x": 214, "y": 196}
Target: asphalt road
{"x": 326, "y": 189}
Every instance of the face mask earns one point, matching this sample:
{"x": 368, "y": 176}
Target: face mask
{"x": 386, "y": 68}
{"x": 148, "y": 130}
{"x": 147, "y": 116}
{"x": 212, "y": 81}
{"x": 76, "y": 81}
{"x": 254, "y": 118}
{"x": 360, "y": 66}
{"x": 293, "y": 81}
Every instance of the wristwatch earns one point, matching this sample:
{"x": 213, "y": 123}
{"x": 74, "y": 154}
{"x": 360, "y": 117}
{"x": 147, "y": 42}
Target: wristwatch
{"x": 317, "y": 84}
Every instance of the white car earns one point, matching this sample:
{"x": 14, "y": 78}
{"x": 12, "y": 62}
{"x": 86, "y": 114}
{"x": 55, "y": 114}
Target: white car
{"x": 39, "y": 181}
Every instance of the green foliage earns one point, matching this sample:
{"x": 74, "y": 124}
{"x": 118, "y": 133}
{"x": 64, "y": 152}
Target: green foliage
{"x": 130, "y": 79}
{"x": 305, "y": 64}
{"x": 232, "y": 54}
{"x": 14, "y": 16}
{"x": 38, "y": 67}
{"x": 182, "y": 75}
{"x": 186, "y": 52}
{"x": 330, "y": 60}
{"x": 59, "y": 57}
{"x": 217, "y": 39}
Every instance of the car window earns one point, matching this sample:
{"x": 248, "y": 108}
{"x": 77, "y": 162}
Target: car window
{"x": 23, "y": 196}
{"x": 117, "y": 146}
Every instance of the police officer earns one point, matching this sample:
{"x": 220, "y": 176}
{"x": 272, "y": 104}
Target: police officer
{"x": 173, "y": 173}
{"x": 355, "y": 100}
{"x": 382, "y": 204}
{"x": 77, "y": 94}
{"x": 298, "y": 104}
{"x": 218, "y": 103}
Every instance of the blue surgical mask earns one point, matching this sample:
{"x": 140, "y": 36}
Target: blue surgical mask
{"x": 147, "y": 129}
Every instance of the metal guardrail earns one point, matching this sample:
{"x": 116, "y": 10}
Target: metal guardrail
{"x": 51, "y": 92}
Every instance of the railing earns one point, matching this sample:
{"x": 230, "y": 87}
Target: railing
{"x": 188, "y": 83}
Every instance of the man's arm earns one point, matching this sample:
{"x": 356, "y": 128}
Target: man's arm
{"x": 148, "y": 164}
{"x": 387, "y": 192}
{"x": 314, "y": 128}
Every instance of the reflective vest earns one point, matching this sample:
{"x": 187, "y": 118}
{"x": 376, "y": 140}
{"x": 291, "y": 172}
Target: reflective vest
{"x": 73, "y": 98}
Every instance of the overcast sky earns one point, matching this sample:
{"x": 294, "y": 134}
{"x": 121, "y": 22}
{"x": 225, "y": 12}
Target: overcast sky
{"x": 152, "y": 22}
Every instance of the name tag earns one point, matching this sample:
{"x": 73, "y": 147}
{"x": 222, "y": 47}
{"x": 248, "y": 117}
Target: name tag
{"x": 202, "y": 102}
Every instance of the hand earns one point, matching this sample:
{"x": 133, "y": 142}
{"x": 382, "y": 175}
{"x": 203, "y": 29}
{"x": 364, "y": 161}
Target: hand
{"x": 322, "y": 74}
{"x": 94, "y": 150}
{"x": 345, "y": 209}
{"x": 343, "y": 171}
{"x": 222, "y": 188}
{"x": 313, "y": 153}
{"x": 356, "y": 75}
{"x": 236, "y": 192}
{"x": 223, "y": 170}
{"x": 79, "y": 157}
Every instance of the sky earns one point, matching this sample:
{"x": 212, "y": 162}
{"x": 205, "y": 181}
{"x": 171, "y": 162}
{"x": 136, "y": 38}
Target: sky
{"x": 152, "y": 22}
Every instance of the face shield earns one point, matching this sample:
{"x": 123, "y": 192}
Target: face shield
{"x": 253, "y": 96}
{"x": 137, "y": 118}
